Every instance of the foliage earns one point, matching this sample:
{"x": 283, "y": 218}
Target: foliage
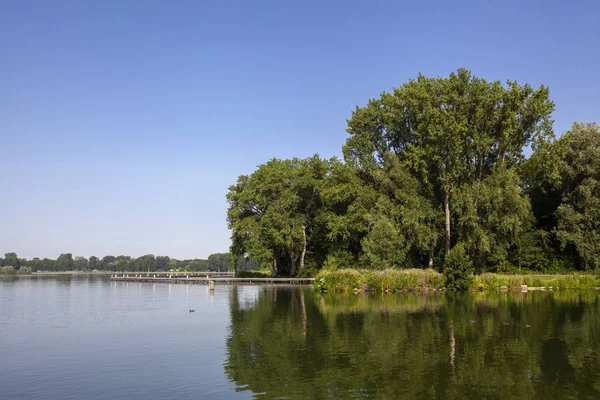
{"x": 402, "y": 222}
{"x": 253, "y": 274}
{"x": 392, "y": 280}
{"x": 340, "y": 281}
{"x": 493, "y": 214}
{"x": 455, "y": 136}
{"x": 578, "y": 216}
{"x": 436, "y": 163}
{"x": 8, "y": 270}
{"x": 24, "y": 271}
{"x": 11, "y": 259}
{"x": 458, "y": 272}
{"x": 274, "y": 212}
{"x": 66, "y": 262}
{"x": 339, "y": 260}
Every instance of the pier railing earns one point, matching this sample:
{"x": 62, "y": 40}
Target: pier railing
{"x": 198, "y": 274}
{"x": 228, "y": 278}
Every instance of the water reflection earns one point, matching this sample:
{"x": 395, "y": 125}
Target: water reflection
{"x": 290, "y": 342}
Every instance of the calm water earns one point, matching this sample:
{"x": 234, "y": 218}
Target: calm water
{"x": 68, "y": 337}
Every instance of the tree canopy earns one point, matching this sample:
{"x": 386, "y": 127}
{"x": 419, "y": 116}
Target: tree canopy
{"x": 436, "y": 163}
{"x": 148, "y": 262}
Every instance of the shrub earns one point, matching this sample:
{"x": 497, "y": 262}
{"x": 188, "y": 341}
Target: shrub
{"x": 459, "y": 271}
{"x": 8, "y": 270}
{"x": 24, "y": 271}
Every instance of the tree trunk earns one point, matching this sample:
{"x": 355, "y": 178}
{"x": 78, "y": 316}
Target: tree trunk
{"x": 274, "y": 267}
{"x": 430, "y": 263}
{"x": 447, "y": 210}
{"x": 303, "y": 248}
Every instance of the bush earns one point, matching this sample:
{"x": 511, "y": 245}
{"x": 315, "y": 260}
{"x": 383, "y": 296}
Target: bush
{"x": 8, "y": 270}
{"x": 24, "y": 271}
{"x": 459, "y": 271}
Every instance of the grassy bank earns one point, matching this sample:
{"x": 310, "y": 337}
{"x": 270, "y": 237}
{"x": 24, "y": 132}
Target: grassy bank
{"x": 347, "y": 280}
{"x": 512, "y": 282}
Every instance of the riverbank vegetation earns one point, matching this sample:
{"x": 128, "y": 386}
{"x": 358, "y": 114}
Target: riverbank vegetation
{"x": 67, "y": 263}
{"x": 391, "y": 280}
{"x": 9, "y": 270}
{"x": 457, "y": 174}
{"x": 424, "y": 280}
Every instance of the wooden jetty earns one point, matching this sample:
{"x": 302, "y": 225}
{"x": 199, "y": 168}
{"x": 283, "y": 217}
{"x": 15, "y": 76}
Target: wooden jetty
{"x": 206, "y": 279}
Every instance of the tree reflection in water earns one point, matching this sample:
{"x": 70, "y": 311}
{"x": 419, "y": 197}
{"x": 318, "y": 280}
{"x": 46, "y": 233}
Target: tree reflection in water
{"x": 292, "y": 342}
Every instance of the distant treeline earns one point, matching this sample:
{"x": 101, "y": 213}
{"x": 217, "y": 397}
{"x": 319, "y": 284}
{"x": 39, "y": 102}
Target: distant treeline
{"x": 435, "y": 175}
{"x": 148, "y": 262}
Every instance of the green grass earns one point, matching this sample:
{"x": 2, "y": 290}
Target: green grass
{"x": 346, "y": 280}
{"x": 513, "y": 282}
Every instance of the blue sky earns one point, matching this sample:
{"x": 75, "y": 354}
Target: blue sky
{"x": 122, "y": 123}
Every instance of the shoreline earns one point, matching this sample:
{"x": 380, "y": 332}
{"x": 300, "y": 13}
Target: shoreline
{"x": 413, "y": 280}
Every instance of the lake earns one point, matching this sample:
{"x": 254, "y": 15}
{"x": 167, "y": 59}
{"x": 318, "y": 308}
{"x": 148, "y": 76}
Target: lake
{"x": 85, "y": 337}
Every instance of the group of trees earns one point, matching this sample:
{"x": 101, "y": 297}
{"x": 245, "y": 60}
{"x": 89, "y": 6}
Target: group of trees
{"x": 434, "y": 171}
{"x": 66, "y": 262}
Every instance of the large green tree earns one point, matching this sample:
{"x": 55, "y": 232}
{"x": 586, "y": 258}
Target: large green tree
{"x": 80, "y": 263}
{"x": 146, "y": 263}
{"x": 578, "y": 216}
{"x": 219, "y": 261}
{"x": 11, "y": 260}
{"x": 450, "y": 133}
{"x": 273, "y": 211}
{"x": 65, "y": 262}
{"x": 162, "y": 263}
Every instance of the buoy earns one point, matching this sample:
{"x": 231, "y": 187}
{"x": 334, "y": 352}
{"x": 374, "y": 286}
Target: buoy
{"x": 212, "y": 285}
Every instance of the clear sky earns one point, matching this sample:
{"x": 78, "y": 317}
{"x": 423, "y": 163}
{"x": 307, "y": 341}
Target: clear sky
{"x": 122, "y": 123}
